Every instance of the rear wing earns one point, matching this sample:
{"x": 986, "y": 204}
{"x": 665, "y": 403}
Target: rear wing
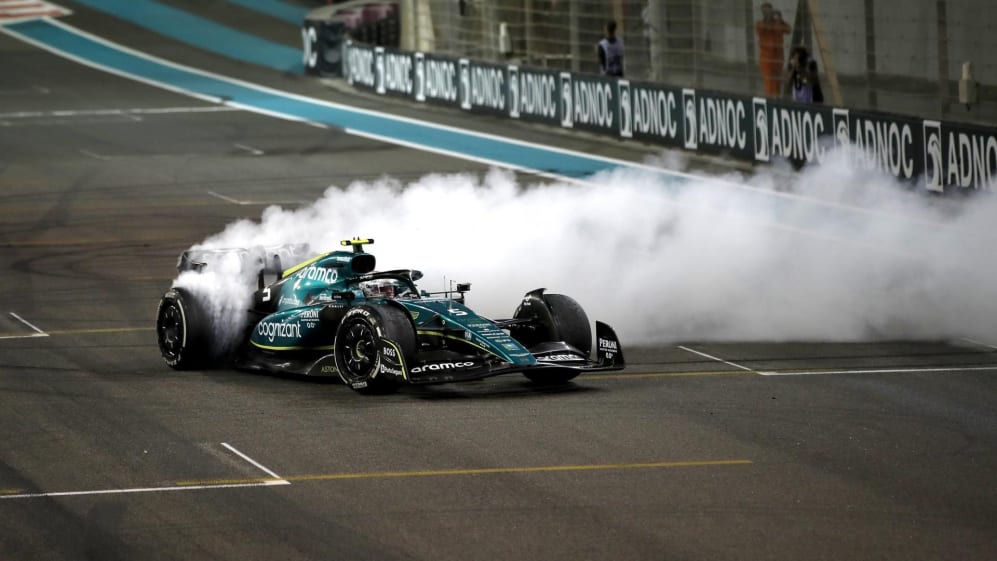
{"x": 253, "y": 260}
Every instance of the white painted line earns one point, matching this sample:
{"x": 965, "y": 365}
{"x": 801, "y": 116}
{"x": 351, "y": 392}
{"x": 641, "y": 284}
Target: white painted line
{"x": 979, "y": 343}
{"x": 277, "y": 480}
{"x": 94, "y": 155}
{"x": 227, "y": 199}
{"x": 91, "y": 64}
{"x": 250, "y": 149}
{"x": 143, "y": 490}
{"x": 7, "y": 20}
{"x": 885, "y": 371}
{"x": 29, "y": 324}
{"x": 13, "y": 11}
{"x": 28, "y": 11}
{"x": 169, "y": 110}
{"x": 258, "y": 465}
{"x": 37, "y": 332}
{"x": 25, "y": 11}
{"x": 31, "y": 336}
{"x": 116, "y": 112}
{"x": 718, "y": 359}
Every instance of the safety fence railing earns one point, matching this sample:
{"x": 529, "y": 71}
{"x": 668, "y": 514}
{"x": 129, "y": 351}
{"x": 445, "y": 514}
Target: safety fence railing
{"x": 937, "y": 155}
{"x": 905, "y": 56}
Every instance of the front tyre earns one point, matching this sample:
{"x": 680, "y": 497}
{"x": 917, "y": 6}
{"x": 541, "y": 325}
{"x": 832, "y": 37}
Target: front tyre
{"x": 556, "y": 318}
{"x": 358, "y": 339}
{"x": 183, "y": 331}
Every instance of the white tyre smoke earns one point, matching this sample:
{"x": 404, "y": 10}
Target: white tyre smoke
{"x": 847, "y": 256}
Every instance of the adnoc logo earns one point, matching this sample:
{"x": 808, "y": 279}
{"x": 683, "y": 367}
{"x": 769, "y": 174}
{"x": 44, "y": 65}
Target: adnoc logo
{"x": 420, "y": 76}
{"x": 689, "y": 103}
{"x": 567, "y": 107}
{"x": 513, "y": 71}
{"x": 655, "y": 112}
{"x": 379, "y": 69}
{"x": 842, "y": 132}
{"x": 933, "y": 163}
{"x": 465, "y": 83}
{"x": 626, "y": 111}
{"x": 760, "y": 108}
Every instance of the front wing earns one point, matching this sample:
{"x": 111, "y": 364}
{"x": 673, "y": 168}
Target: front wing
{"x": 552, "y": 358}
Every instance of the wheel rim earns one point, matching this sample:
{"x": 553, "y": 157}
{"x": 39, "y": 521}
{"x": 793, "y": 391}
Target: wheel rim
{"x": 357, "y": 351}
{"x": 170, "y": 330}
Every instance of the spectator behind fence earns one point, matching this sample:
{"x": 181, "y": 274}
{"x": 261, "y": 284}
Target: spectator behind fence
{"x": 802, "y": 82}
{"x": 770, "y": 31}
{"x": 610, "y": 50}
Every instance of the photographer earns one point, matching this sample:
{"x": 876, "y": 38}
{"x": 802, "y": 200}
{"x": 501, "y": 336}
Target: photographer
{"x": 802, "y": 82}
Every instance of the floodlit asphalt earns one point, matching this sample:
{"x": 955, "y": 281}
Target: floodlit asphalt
{"x": 856, "y": 451}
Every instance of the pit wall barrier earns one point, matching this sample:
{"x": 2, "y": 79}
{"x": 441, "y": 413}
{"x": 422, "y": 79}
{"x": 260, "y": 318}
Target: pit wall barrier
{"x": 939, "y": 156}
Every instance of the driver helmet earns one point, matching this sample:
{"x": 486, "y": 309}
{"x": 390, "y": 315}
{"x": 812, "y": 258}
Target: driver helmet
{"x": 381, "y": 288}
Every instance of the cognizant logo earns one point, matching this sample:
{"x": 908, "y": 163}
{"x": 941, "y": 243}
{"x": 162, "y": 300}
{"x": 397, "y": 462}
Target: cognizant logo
{"x": 272, "y": 330}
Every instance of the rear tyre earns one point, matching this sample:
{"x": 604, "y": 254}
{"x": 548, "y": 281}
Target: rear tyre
{"x": 183, "y": 330}
{"x": 358, "y": 339}
{"x": 556, "y": 318}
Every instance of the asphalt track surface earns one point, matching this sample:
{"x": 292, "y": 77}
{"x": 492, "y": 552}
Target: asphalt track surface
{"x": 855, "y": 451}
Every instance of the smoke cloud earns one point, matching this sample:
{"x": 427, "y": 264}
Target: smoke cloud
{"x": 224, "y": 293}
{"x": 835, "y": 253}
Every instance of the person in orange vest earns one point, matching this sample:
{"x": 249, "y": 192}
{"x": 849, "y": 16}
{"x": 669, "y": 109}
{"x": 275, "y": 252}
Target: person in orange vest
{"x": 770, "y": 31}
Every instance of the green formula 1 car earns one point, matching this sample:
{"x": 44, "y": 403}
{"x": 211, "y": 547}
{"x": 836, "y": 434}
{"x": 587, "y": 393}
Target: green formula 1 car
{"x": 334, "y": 315}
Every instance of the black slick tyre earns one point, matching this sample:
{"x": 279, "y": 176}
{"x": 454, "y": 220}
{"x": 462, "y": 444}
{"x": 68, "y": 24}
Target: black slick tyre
{"x": 183, "y": 331}
{"x": 571, "y": 323}
{"x": 557, "y": 318}
{"x": 358, "y": 339}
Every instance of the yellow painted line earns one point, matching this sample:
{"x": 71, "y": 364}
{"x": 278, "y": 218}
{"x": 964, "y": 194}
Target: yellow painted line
{"x": 477, "y": 471}
{"x": 222, "y": 482}
{"x": 10, "y": 491}
{"x": 690, "y": 373}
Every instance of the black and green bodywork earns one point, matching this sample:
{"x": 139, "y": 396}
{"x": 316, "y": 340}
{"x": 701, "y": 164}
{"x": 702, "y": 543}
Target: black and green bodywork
{"x": 306, "y": 319}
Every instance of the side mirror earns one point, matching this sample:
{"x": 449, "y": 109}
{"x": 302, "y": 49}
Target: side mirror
{"x": 463, "y": 287}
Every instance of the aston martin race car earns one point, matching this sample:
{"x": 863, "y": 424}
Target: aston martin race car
{"x": 335, "y": 315}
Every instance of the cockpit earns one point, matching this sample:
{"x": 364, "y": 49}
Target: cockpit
{"x": 388, "y": 288}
